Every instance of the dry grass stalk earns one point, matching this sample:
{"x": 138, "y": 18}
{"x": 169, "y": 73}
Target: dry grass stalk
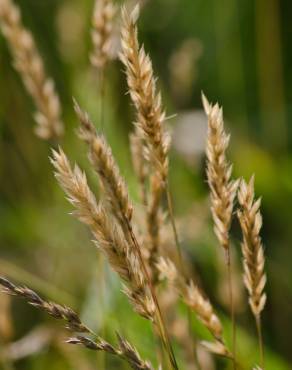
{"x": 28, "y": 63}
{"x": 102, "y": 33}
{"x": 253, "y": 253}
{"x": 107, "y": 233}
{"x": 142, "y": 88}
{"x": 73, "y": 323}
{"x": 219, "y": 171}
{"x": 103, "y": 161}
{"x": 149, "y": 123}
{"x": 223, "y": 191}
{"x": 197, "y": 302}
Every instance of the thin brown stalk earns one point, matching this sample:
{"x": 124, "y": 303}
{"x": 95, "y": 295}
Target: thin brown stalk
{"x": 29, "y": 64}
{"x": 73, "y": 323}
{"x": 223, "y": 191}
{"x": 253, "y": 253}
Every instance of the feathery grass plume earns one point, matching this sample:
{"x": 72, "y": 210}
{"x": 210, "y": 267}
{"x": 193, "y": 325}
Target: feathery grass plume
{"x": 219, "y": 171}
{"x": 103, "y": 161}
{"x": 73, "y": 323}
{"x": 102, "y": 29}
{"x": 253, "y": 252}
{"x": 28, "y": 62}
{"x": 149, "y": 122}
{"x": 108, "y": 235}
{"x": 197, "y": 302}
{"x": 142, "y": 88}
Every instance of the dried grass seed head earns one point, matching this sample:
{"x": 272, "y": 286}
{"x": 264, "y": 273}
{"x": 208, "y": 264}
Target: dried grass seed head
{"x": 142, "y": 88}
{"x": 253, "y": 252}
{"x": 105, "y": 165}
{"x": 219, "y": 171}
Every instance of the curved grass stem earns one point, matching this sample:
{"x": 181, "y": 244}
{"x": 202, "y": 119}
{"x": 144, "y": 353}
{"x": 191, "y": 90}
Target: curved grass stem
{"x": 182, "y": 267}
{"x": 231, "y": 303}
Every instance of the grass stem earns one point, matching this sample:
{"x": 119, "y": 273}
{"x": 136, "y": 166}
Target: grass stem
{"x": 260, "y": 339}
{"x": 231, "y": 303}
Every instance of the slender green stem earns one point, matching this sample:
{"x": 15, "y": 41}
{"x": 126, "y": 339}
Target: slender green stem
{"x": 231, "y": 303}
{"x": 182, "y": 268}
{"x": 260, "y": 338}
{"x": 101, "y": 98}
{"x": 101, "y": 268}
{"x": 160, "y": 321}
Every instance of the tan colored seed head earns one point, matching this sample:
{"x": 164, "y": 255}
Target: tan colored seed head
{"x": 253, "y": 252}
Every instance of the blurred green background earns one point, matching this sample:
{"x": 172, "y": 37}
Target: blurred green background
{"x": 238, "y": 52}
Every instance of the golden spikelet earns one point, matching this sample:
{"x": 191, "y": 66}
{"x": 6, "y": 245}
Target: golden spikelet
{"x": 219, "y": 171}
{"x": 28, "y": 63}
{"x": 103, "y": 161}
{"x": 149, "y": 124}
{"x": 253, "y": 253}
{"x": 142, "y": 89}
{"x": 102, "y": 33}
{"x": 107, "y": 234}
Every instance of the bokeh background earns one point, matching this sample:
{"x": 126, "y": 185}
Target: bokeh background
{"x": 239, "y": 53}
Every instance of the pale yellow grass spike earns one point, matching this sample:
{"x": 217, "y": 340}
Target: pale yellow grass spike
{"x": 28, "y": 62}
{"x": 223, "y": 191}
{"x": 105, "y": 165}
{"x": 150, "y": 122}
{"x": 253, "y": 252}
{"x": 142, "y": 88}
{"x": 219, "y": 171}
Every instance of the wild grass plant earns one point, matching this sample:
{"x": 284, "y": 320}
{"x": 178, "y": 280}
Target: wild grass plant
{"x": 152, "y": 274}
